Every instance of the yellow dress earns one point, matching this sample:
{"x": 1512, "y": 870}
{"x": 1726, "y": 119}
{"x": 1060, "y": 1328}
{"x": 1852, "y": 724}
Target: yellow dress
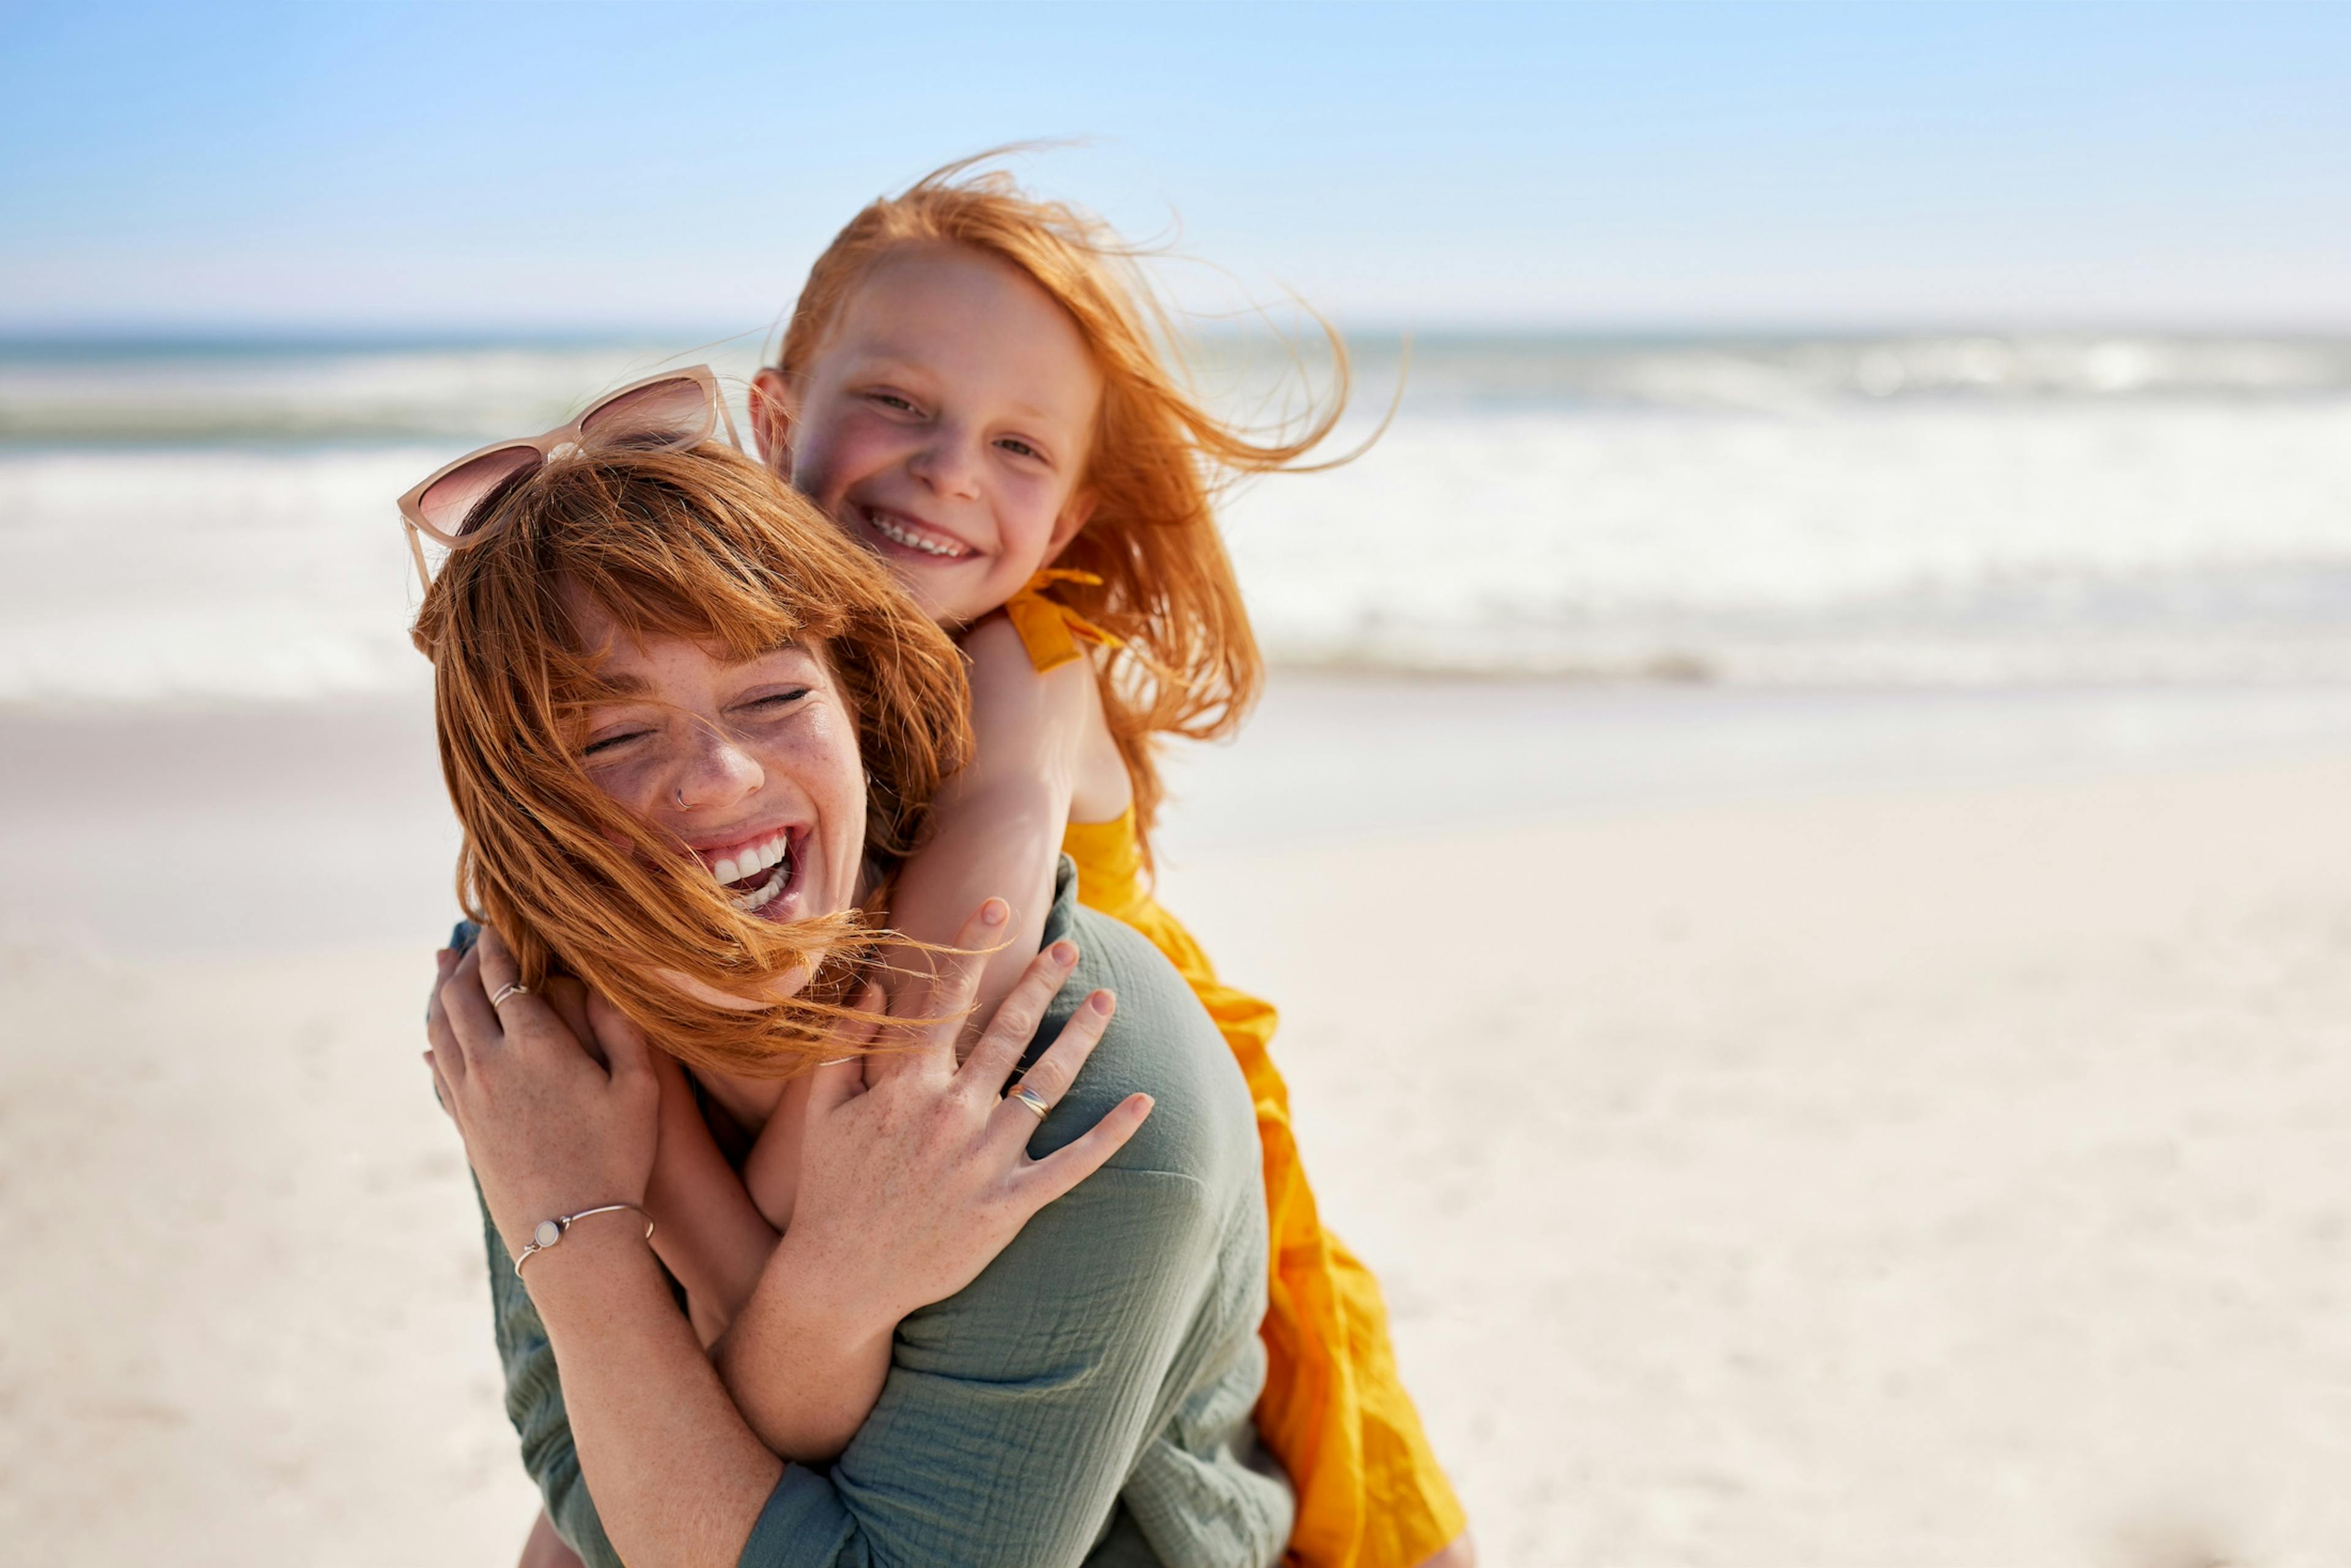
{"x": 1334, "y": 1411}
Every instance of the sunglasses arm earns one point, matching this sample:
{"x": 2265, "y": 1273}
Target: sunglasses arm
{"x": 417, "y": 554}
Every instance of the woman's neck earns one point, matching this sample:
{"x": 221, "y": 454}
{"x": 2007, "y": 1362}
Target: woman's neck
{"x": 749, "y": 1100}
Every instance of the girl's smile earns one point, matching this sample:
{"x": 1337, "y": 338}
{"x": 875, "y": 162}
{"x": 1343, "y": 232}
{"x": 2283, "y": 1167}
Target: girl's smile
{"x": 945, "y": 423}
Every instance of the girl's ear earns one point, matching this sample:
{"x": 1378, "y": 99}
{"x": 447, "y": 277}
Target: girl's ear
{"x": 1074, "y": 516}
{"x": 772, "y": 408}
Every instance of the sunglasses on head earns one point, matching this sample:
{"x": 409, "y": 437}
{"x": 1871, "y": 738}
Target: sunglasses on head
{"x": 667, "y": 412}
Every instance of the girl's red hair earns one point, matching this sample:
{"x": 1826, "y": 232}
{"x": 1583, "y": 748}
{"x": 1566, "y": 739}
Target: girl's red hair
{"x": 1190, "y": 664}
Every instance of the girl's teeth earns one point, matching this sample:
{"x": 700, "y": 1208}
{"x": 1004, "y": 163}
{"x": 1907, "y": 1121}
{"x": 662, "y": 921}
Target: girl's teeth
{"x": 892, "y": 531}
{"x": 727, "y": 871}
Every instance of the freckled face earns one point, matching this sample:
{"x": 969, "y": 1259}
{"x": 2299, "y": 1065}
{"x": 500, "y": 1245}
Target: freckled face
{"x": 945, "y": 425}
{"x": 753, "y": 764}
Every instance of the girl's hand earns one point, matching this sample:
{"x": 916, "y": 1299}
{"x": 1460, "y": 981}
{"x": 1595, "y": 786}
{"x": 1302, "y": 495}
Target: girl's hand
{"x": 548, "y": 1129}
{"x": 915, "y": 1173}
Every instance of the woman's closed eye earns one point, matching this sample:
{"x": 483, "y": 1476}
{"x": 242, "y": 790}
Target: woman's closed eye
{"x": 768, "y": 705}
{"x": 605, "y": 745}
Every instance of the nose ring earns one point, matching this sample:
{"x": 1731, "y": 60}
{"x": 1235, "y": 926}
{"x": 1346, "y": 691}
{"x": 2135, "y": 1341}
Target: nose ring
{"x": 681, "y": 797}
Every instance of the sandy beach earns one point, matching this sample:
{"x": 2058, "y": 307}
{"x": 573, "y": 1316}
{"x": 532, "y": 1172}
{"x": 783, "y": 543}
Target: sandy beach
{"x": 1810, "y": 1129}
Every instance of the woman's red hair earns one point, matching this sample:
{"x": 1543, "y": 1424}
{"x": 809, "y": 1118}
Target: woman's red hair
{"x": 709, "y": 546}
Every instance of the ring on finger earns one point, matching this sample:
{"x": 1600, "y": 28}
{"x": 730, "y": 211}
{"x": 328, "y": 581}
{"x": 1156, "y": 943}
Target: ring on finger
{"x": 509, "y": 990}
{"x": 1028, "y": 1099}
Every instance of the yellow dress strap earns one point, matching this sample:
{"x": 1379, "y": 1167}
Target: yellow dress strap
{"x": 1050, "y": 628}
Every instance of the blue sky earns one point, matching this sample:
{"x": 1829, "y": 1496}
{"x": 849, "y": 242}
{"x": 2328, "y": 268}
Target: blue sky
{"x": 383, "y": 166}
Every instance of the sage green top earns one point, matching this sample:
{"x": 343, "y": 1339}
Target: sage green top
{"x": 1087, "y": 1398}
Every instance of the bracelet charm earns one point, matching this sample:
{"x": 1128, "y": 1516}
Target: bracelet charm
{"x": 548, "y": 1232}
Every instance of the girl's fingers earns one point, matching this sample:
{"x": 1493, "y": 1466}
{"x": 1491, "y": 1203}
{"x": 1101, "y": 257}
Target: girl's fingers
{"x": 837, "y": 1082}
{"x": 1065, "y": 1167}
{"x": 955, "y": 981}
{"x": 1050, "y": 1076}
{"x": 992, "y": 1061}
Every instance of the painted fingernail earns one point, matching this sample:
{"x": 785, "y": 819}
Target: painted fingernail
{"x": 993, "y": 912}
{"x": 1102, "y": 1002}
{"x": 1065, "y": 953}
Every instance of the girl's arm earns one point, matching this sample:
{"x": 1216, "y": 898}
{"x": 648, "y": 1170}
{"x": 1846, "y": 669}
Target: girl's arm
{"x": 917, "y": 1181}
{"x": 810, "y": 1400}
{"x": 716, "y": 1233}
{"x": 707, "y": 1230}
{"x": 997, "y": 825}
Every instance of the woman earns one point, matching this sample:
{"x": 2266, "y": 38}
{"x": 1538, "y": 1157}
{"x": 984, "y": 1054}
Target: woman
{"x": 638, "y": 653}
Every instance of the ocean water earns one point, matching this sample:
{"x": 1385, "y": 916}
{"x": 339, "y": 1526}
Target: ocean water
{"x": 214, "y": 521}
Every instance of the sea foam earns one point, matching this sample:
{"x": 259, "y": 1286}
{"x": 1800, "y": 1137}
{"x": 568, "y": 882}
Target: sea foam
{"x": 1944, "y": 511}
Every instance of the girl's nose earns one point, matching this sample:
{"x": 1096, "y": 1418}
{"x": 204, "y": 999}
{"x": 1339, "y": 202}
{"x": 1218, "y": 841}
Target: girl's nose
{"x": 948, "y": 465}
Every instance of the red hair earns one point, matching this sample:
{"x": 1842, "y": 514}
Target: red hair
{"x": 1160, "y": 459}
{"x": 706, "y": 545}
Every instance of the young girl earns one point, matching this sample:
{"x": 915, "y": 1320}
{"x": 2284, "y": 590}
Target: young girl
{"x": 972, "y": 384}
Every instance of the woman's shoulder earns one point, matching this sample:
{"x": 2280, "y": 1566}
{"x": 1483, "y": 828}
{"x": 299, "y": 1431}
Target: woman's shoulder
{"x": 1160, "y": 1042}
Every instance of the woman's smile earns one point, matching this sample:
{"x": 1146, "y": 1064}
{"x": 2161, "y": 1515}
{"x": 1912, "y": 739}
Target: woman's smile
{"x": 759, "y": 870}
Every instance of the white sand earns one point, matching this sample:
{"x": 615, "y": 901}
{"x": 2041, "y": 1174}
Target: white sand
{"x": 1899, "y": 1176}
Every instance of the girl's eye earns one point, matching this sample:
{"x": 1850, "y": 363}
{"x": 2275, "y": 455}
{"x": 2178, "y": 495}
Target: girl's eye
{"x": 1020, "y": 449}
{"x": 891, "y": 400}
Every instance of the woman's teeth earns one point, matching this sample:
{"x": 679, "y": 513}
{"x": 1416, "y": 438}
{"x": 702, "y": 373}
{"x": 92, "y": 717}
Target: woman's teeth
{"x": 765, "y": 894}
{"x": 896, "y": 532}
{"x": 748, "y": 862}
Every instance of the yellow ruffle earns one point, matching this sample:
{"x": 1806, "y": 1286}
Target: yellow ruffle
{"x": 1048, "y": 629}
{"x": 1334, "y": 1411}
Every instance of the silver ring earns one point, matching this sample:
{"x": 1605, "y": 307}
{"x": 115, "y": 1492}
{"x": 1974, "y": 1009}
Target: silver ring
{"x": 506, "y": 991}
{"x": 1029, "y": 1099}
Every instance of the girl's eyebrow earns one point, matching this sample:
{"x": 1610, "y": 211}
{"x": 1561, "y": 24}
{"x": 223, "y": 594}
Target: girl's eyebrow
{"x": 867, "y": 362}
{"x": 888, "y": 358}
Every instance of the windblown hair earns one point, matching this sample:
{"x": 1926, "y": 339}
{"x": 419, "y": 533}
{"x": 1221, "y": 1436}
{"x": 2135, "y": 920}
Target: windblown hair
{"x": 1160, "y": 459}
{"x": 704, "y": 545}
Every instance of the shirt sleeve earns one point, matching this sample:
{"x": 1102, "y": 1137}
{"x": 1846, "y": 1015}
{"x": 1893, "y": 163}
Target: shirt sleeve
{"x": 1015, "y": 1410}
{"x": 535, "y": 1406}
{"x": 1013, "y": 1414}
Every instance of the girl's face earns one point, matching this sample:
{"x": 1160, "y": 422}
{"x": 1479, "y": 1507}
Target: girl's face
{"x": 753, "y": 764}
{"x": 945, "y": 423}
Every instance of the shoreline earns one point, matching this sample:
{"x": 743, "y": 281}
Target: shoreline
{"x": 243, "y": 830}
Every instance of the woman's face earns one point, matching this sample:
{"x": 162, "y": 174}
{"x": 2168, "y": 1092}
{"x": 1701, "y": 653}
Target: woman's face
{"x": 945, "y": 425}
{"x": 753, "y": 764}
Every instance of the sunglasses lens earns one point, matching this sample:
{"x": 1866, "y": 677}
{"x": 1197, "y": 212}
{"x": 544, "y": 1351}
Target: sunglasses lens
{"x": 675, "y": 413}
{"x": 449, "y": 504}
